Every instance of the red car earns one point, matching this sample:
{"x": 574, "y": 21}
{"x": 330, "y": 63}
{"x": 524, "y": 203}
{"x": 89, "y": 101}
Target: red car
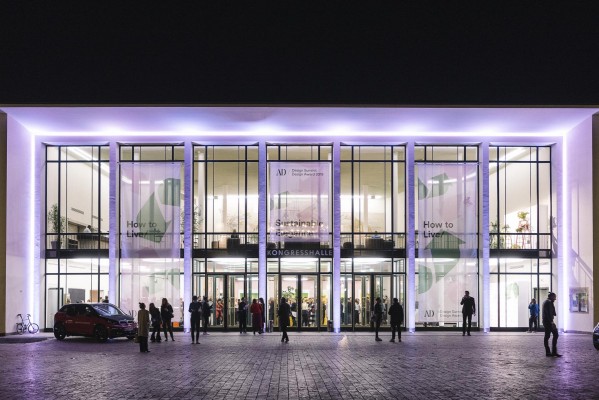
{"x": 100, "y": 320}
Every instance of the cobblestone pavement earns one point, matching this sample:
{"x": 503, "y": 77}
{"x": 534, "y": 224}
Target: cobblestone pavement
{"x": 426, "y": 365}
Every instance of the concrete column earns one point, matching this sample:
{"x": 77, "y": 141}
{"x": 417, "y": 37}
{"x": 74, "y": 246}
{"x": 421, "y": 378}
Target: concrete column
{"x": 188, "y": 228}
{"x": 113, "y": 225}
{"x": 262, "y": 198}
{"x": 337, "y": 237}
{"x": 595, "y": 147}
{"x": 3, "y": 172}
{"x": 410, "y": 242}
{"x": 485, "y": 298}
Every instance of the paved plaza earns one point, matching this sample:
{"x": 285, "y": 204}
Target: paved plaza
{"x": 426, "y": 365}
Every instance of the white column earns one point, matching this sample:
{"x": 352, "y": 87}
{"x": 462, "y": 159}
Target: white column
{"x": 113, "y": 224}
{"x": 410, "y": 242}
{"x": 188, "y": 228}
{"x": 485, "y": 298}
{"x": 262, "y": 198}
{"x": 337, "y": 237}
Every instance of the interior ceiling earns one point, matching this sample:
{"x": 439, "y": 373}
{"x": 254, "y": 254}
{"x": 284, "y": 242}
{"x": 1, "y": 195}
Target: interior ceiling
{"x": 280, "y": 120}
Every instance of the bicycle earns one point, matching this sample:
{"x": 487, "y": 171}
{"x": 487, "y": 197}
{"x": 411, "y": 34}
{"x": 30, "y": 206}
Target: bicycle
{"x": 26, "y": 325}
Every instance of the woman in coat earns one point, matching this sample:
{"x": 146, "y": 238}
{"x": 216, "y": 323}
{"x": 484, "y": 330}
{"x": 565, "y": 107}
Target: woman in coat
{"x": 143, "y": 327}
{"x": 261, "y": 302}
{"x": 156, "y": 321}
{"x": 256, "y": 311}
{"x": 166, "y": 312}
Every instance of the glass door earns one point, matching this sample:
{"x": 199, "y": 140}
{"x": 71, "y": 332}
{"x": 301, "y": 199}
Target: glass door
{"x": 216, "y": 297}
{"x": 362, "y": 300}
{"x": 382, "y": 289}
{"x": 290, "y": 291}
{"x": 309, "y": 302}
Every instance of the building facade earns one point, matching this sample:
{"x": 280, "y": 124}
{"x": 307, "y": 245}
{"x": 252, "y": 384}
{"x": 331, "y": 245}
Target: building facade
{"x": 330, "y": 208}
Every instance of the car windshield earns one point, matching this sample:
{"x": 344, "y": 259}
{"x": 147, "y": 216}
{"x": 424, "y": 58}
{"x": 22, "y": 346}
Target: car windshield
{"x": 107, "y": 310}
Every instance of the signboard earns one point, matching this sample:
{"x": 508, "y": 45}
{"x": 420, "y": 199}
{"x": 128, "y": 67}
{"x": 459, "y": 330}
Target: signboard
{"x": 150, "y": 210}
{"x": 447, "y": 239}
{"x": 299, "y": 201}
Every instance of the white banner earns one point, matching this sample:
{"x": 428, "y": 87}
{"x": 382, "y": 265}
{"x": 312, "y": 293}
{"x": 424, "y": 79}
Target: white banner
{"x": 299, "y": 201}
{"x": 150, "y": 210}
{"x": 447, "y": 239}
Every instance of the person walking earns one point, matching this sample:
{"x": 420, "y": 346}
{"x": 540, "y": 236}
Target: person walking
{"x": 196, "y": 312}
{"x": 549, "y": 325}
{"x": 156, "y": 321}
{"x": 284, "y": 313}
{"x": 378, "y": 317}
{"x": 533, "y": 309}
{"x": 256, "y": 311}
{"x": 206, "y": 311}
{"x": 166, "y": 312}
{"x": 143, "y": 328}
{"x": 242, "y": 308}
{"x": 468, "y": 310}
{"x": 396, "y": 314}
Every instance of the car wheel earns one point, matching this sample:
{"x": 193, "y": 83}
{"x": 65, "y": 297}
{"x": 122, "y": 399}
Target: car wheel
{"x": 60, "y": 332}
{"x": 596, "y": 346}
{"x": 100, "y": 333}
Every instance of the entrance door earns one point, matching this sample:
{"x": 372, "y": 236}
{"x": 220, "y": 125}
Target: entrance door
{"x": 366, "y": 289}
{"x": 301, "y": 292}
{"x": 224, "y": 292}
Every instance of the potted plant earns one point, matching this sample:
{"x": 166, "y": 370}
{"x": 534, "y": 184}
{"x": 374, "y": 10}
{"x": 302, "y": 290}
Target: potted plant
{"x": 523, "y": 224}
{"x": 57, "y": 224}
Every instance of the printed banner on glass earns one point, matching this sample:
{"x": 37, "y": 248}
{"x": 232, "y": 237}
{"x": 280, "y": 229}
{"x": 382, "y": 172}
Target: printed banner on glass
{"x": 299, "y": 201}
{"x": 447, "y": 239}
{"x": 150, "y": 210}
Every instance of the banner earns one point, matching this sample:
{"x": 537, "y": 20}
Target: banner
{"x": 299, "y": 201}
{"x": 150, "y": 210}
{"x": 447, "y": 240}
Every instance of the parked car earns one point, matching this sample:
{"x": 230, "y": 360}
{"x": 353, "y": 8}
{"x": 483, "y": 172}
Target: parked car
{"x": 100, "y": 320}
{"x": 596, "y": 337}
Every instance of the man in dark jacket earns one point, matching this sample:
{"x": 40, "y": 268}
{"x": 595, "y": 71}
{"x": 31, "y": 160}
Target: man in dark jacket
{"x": 242, "y": 308}
{"x": 468, "y": 310}
{"x": 195, "y": 310}
{"x": 549, "y": 325}
{"x": 206, "y": 311}
{"x": 284, "y": 313}
{"x": 378, "y": 317}
{"x": 396, "y": 314}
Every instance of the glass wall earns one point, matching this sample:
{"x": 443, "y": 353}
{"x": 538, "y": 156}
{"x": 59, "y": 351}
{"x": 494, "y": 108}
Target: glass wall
{"x": 521, "y": 214}
{"x": 446, "y": 220}
{"x": 151, "y": 190}
{"x": 76, "y": 257}
{"x": 373, "y": 224}
{"x": 225, "y": 229}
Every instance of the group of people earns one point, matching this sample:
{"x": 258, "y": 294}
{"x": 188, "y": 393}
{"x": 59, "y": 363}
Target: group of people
{"x": 156, "y": 318}
{"x": 201, "y": 311}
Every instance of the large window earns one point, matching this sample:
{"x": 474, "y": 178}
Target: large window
{"x": 150, "y": 190}
{"x": 76, "y": 262}
{"x": 446, "y": 220}
{"x": 225, "y": 229}
{"x": 521, "y": 216}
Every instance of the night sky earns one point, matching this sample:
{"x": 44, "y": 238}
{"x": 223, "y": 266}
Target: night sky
{"x": 329, "y": 53}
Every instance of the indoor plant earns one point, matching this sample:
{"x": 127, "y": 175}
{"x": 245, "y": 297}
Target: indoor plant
{"x": 57, "y": 225}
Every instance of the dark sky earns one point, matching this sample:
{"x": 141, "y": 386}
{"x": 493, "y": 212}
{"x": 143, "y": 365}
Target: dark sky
{"x": 379, "y": 53}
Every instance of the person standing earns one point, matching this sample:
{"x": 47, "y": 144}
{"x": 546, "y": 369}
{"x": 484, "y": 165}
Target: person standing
{"x": 256, "y": 311}
{"x": 263, "y": 326}
{"x": 549, "y": 325}
{"x": 219, "y": 312}
{"x": 284, "y": 313}
{"x": 196, "y": 311}
{"x": 242, "y": 312}
{"x": 206, "y": 311}
{"x": 468, "y": 310}
{"x": 166, "y": 312}
{"x": 143, "y": 327}
{"x": 533, "y": 309}
{"x": 378, "y": 317}
{"x": 156, "y": 321}
{"x": 396, "y": 314}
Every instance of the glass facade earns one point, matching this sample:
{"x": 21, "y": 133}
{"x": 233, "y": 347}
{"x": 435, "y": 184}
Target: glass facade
{"x": 272, "y": 219}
